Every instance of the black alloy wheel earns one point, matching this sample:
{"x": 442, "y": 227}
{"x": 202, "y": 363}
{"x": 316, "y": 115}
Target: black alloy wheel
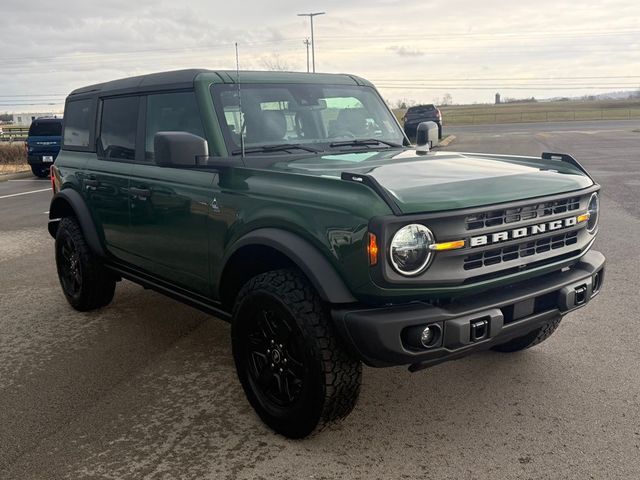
{"x": 292, "y": 366}
{"x": 275, "y": 357}
{"x": 69, "y": 267}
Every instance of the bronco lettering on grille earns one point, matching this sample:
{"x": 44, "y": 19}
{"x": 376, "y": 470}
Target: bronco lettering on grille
{"x": 522, "y": 232}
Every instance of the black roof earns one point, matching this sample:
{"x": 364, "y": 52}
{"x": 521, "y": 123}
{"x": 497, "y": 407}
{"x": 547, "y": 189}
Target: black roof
{"x": 47, "y": 120}
{"x": 184, "y": 79}
{"x": 163, "y": 80}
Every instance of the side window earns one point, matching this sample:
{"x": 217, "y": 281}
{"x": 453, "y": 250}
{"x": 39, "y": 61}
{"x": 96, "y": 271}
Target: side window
{"x": 118, "y": 128}
{"x": 171, "y": 112}
{"x": 78, "y": 117}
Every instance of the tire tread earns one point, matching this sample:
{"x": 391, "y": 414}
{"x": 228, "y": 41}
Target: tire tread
{"x": 98, "y": 285}
{"x": 342, "y": 372}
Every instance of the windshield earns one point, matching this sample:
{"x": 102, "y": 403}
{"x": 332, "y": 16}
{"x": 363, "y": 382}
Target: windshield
{"x": 324, "y": 117}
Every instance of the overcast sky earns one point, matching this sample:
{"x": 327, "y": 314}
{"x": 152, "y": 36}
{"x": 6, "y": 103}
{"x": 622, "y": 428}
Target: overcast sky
{"x": 413, "y": 49}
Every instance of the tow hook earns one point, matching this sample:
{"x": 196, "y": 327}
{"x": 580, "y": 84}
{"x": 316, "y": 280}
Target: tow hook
{"x": 479, "y": 330}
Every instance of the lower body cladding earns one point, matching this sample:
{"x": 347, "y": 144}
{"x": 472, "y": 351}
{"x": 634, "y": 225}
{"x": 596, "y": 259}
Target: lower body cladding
{"x": 421, "y": 335}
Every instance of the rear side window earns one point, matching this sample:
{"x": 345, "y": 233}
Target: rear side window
{"x": 171, "y": 112}
{"x": 78, "y": 117}
{"x": 45, "y": 129}
{"x": 118, "y": 128}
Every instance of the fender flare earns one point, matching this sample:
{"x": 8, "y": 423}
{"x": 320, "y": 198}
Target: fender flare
{"x": 71, "y": 199}
{"x": 322, "y": 275}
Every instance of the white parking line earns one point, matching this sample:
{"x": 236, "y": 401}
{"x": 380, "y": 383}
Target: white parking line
{"x": 26, "y": 193}
{"x": 27, "y": 180}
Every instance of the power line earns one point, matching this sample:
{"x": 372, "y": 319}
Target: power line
{"x": 528, "y": 85}
{"x": 449, "y": 34}
{"x": 448, "y": 87}
{"x": 46, "y": 95}
{"x": 225, "y": 46}
{"x": 396, "y": 79}
{"x": 25, "y": 60}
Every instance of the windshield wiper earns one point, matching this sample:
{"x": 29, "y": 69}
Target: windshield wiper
{"x": 281, "y": 147}
{"x": 357, "y": 142}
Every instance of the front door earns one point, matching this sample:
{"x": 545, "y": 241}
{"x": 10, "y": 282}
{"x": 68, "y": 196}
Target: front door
{"x": 168, "y": 232}
{"x": 169, "y": 206}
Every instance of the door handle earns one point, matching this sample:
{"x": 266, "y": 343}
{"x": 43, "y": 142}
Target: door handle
{"x": 140, "y": 192}
{"x": 91, "y": 183}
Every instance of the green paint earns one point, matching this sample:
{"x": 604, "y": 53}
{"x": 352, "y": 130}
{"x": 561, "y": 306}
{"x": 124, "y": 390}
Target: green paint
{"x": 182, "y": 232}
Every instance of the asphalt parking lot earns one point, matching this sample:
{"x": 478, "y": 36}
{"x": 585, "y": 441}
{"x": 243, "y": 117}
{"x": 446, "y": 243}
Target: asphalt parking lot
{"x": 146, "y": 388}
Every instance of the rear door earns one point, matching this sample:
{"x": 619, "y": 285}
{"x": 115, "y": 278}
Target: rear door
{"x": 106, "y": 180}
{"x": 169, "y": 206}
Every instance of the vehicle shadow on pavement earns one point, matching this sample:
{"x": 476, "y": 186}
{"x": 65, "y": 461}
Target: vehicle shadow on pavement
{"x": 147, "y": 387}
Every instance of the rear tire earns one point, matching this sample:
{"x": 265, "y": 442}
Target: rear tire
{"x": 534, "y": 338}
{"x": 85, "y": 282}
{"x": 40, "y": 172}
{"x": 292, "y": 367}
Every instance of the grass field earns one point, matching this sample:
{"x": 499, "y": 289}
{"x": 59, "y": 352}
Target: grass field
{"x": 13, "y": 158}
{"x": 559, "y": 111}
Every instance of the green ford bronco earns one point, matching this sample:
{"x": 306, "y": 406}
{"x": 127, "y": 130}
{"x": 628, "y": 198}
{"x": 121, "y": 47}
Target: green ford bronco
{"x": 293, "y": 206}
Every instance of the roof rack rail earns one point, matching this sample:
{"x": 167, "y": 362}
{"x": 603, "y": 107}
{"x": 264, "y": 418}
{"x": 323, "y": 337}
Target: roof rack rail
{"x": 373, "y": 184}
{"x": 565, "y": 157}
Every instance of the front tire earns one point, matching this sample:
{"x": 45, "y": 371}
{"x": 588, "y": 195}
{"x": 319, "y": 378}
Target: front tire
{"x": 292, "y": 367}
{"x": 533, "y": 338}
{"x": 85, "y": 282}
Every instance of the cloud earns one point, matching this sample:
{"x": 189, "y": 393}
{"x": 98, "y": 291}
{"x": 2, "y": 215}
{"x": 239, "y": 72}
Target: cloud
{"x": 403, "y": 51}
{"x": 52, "y": 48}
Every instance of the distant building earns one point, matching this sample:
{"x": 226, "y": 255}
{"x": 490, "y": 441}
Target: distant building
{"x": 497, "y": 99}
{"x": 25, "y": 119}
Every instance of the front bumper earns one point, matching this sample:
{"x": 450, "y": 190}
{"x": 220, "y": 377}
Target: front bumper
{"x": 378, "y": 336}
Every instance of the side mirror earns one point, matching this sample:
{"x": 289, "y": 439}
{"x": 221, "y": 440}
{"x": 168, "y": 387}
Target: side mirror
{"x": 179, "y": 149}
{"x": 426, "y": 136}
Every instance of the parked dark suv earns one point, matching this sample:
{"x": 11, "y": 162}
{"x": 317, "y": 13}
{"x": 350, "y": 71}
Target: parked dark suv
{"x": 418, "y": 114}
{"x": 43, "y": 144}
{"x": 292, "y": 205}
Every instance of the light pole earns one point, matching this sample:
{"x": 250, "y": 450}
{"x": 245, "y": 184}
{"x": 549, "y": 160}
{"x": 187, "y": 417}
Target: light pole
{"x": 306, "y": 44}
{"x": 313, "y": 51}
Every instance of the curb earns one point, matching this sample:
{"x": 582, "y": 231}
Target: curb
{"x": 447, "y": 141}
{"x": 11, "y": 176}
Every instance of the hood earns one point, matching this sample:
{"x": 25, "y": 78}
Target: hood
{"x": 445, "y": 180}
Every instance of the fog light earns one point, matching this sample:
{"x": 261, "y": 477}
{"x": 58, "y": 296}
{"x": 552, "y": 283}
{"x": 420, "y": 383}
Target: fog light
{"x": 420, "y": 337}
{"x": 430, "y": 335}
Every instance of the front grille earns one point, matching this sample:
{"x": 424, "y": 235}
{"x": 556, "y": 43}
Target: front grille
{"x": 525, "y": 249}
{"x": 505, "y": 216}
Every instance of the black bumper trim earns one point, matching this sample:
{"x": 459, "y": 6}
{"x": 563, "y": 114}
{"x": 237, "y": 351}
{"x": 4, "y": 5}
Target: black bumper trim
{"x": 36, "y": 159}
{"x": 375, "y": 335}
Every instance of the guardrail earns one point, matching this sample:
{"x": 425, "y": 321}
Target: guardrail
{"x": 13, "y": 133}
{"x": 543, "y": 116}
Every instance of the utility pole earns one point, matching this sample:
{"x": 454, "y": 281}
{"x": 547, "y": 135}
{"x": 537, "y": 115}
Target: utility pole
{"x": 313, "y": 50}
{"x": 306, "y": 44}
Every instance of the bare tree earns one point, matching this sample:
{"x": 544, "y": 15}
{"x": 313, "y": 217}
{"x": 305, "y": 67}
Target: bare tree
{"x": 275, "y": 63}
{"x": 404, "y": 103}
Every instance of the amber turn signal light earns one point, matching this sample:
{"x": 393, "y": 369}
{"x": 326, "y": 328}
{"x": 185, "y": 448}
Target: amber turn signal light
{"x": 372, "y": 249}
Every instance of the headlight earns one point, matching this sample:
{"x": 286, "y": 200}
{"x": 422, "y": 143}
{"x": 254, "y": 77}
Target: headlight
{"x": 409, "y": 250}
{"x": 594, "y": 208}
